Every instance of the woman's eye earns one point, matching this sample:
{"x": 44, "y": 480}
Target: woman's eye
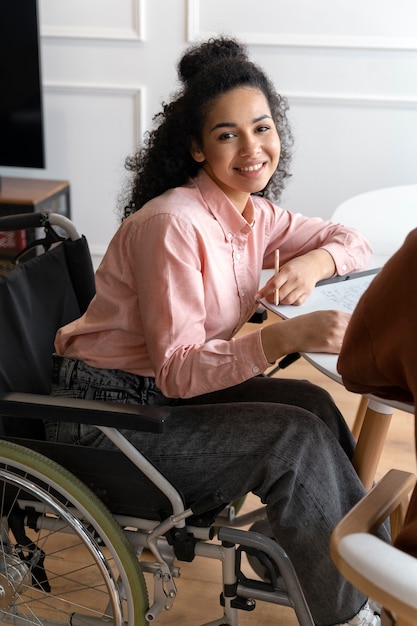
{"x": 262, "y": 129}
{"x": 226, "y": 136}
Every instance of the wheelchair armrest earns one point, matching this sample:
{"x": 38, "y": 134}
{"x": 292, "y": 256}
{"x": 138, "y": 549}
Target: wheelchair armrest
{"x": 57, "y": 408}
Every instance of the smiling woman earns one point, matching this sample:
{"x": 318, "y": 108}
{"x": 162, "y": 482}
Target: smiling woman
{"x": 178, "y": 281}
{"x": 240, "y": 155}
{"x": 207, "y": 72}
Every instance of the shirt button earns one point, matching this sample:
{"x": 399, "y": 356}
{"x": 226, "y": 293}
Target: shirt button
{"x": 229, "y": 236}
{"x": 344, "y": 267}
{"x": 238, "y": 256}
{"x": 255, "y": 369}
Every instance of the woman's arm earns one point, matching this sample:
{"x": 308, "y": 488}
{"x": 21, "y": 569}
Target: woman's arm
{"x": 321, "y": 331}
{"x": 311, "y": 249}
{"x": 298, "y": 277}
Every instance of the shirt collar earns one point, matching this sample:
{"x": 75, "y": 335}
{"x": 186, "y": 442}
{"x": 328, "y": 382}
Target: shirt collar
{"x": 222, "y": 208}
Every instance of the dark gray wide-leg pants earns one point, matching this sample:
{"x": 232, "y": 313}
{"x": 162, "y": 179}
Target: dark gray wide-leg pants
{"x": 284, "y": 440}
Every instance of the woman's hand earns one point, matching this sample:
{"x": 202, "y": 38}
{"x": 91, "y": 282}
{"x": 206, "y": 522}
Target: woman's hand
{"x": 298, "y": 277}
{"x": 320, "y": 331}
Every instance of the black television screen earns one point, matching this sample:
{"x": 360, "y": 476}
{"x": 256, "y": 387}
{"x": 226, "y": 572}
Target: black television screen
{"x": 21, "y": 114}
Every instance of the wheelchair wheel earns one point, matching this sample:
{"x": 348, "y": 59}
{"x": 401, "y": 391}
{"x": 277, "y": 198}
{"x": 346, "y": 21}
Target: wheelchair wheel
{"x": 63, "y": 557}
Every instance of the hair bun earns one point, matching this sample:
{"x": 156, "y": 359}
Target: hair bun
{"x": 201, "y": 55}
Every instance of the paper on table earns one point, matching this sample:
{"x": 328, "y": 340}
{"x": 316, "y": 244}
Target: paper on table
{"x": 341, "y": 294}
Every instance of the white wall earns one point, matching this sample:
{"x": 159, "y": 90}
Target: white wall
{"x": 349, "y": 71}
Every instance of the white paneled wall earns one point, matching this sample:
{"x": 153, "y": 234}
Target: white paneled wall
{"x": 101, "y": 124}
{"x": 82, "y": 18}
{"x": 303, "y": 23}
{"x": 348, "y": 69}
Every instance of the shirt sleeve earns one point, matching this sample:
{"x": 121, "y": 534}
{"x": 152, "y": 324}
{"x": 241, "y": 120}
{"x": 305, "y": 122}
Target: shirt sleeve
{"x": 186, "y": 361}
{"x": 295, "y": 234}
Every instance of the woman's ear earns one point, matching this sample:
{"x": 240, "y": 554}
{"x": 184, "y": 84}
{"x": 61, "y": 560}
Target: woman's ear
{"x": 196, "y": 152}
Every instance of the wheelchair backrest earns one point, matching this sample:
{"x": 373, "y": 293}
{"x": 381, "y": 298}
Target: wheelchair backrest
{"x": 38, "y": 297}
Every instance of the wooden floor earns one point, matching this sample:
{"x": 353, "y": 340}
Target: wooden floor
{"x": 198, "y": 586}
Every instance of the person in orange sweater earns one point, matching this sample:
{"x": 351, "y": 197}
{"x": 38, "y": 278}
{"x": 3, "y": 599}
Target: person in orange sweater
{"x": 379, "y": 349}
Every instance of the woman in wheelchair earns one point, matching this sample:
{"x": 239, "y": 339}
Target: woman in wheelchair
{"x": 178, "y": 281}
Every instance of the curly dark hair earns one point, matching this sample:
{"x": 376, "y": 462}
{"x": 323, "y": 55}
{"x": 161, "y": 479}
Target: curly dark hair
{"x": 206, "y": 71}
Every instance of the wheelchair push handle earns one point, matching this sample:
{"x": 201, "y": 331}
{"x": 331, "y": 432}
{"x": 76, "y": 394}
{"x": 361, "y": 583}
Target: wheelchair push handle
{"x": 43, "y": 219}
{"x": 21, "y": 221}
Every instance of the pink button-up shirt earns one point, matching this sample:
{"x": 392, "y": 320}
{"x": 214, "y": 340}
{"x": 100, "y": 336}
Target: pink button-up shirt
{"x": 178, "y": 281}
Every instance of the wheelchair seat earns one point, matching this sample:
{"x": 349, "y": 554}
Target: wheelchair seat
{"x": 112, "y": 505}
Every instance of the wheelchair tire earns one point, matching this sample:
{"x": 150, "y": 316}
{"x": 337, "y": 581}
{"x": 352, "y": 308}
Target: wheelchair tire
{"x": 63, "y": 557}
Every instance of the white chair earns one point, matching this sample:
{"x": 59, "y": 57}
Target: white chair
{"x": 383, "y": 216}
{"x": 381, "y": 571}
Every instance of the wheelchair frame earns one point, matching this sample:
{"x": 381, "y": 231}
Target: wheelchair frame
{"x": 50, "y": 498}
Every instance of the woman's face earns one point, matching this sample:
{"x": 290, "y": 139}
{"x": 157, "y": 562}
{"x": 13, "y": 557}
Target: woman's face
{"x": 240, "y": 144}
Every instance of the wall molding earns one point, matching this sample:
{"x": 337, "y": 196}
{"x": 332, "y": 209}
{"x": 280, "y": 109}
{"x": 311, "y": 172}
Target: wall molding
{"x": 291, "y": 40}
{"x": 366, "y": 101}
{"x": 135, "y": 33}
{"x": 137, "y": 93}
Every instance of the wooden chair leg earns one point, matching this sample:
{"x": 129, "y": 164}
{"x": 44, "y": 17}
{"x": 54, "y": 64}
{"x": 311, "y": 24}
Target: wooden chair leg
{"x": 371, "y": 441}
{"x": 360, "y": 415}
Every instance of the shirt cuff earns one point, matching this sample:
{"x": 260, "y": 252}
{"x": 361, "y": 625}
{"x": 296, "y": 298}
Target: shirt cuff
{"x": 345, "y": 260}
{"x": 250, "y": 354}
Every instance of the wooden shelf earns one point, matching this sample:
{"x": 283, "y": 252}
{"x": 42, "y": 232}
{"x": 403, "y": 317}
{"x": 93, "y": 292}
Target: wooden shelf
{"x": 21, "y": 193}
{"x": 28, "y": 195}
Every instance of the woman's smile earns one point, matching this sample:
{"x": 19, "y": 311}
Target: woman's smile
{"x": 250, "y": 169}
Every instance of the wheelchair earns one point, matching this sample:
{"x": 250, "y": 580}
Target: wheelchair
{"x": 91, "y": 536}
